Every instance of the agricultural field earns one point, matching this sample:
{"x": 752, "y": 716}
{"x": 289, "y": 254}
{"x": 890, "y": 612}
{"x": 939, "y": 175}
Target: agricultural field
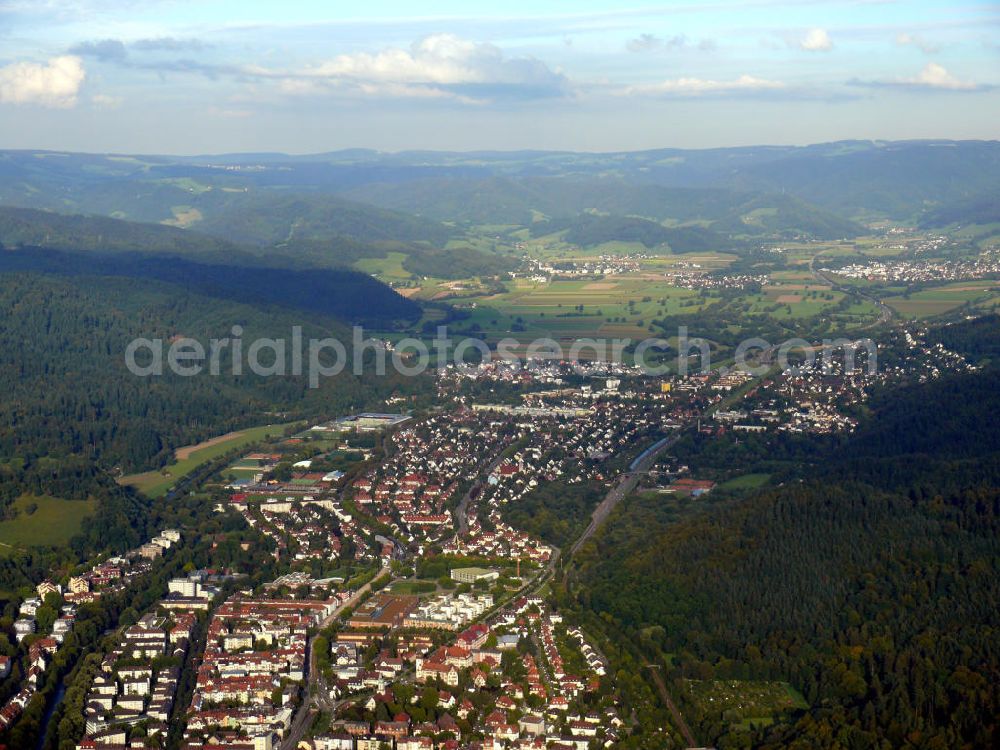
{"x": 619, "y": 306}
{"x": 942, "y": 299}
{"x": 43, "y": 521}
{"x": 156, "y": 483}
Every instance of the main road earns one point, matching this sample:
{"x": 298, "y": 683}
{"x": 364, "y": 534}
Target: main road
{"x": 306, "y": 712}
{"x": 884, "y": 311}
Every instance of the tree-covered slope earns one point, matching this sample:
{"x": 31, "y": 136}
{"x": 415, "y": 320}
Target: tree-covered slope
{"x": 25, "y": 227}
{"x": 589, "y": 230}
{"x": 67, "y": 391}
{"x": 267, "y": 218}
{"x": 347, "y": 295}
{"x": 874, "y": 592}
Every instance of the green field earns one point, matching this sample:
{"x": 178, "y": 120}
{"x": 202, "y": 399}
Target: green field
{"x": 53, "y": 522}
{"x": 389, "y": 268}
{"x": 411, "y": 587}
{"x": 746, "y": 482}
{"x": 157, "y": 483}
{"x": 793, "y": 300}
{"x": 939, "y": 300}
{"x": 619, "y": 306}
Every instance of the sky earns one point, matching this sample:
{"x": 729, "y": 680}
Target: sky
{"x": 212, "y": 76}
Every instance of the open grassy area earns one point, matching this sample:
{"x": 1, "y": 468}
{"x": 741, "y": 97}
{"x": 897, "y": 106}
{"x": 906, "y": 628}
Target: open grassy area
{"x": 42, "y": 521}
{"x": 411, "y": 587}
{"x": 936, "y": 301}
{"x": 793, "y": 300}
{"x": 389, "y": 268}
{"x": 157, "y": 483}
{"x": 746, "y": 482}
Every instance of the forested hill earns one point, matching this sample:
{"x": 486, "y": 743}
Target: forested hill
{"x": 68, "y": 392}
{"x": 25, "y": 227}
{"x": 874, "y": 588}
{"x": 501, "y": 200}
{"x": 589, "y": 231}
{"x": 270, "y": 218}
{"x": 321, "y": 282}
{"x": 72, "y": 415}
{"x": 350, "y": 296}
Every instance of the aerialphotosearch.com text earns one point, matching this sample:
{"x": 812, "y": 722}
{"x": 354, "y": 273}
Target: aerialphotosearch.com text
{"x": 319, "y": 358}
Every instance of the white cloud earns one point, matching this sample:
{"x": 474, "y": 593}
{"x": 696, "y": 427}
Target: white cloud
{"x": 904, "y": 39}
{"x": 106, "y": 101}
{"x": 933, "y": 76}
{"x": 695, "y": 86}
{"x": 440, "y": 64}
{"x": 936, "y": 77}
{"x": 52, "y": 84}
{"x": 651, "y": 42}
{"x": 816, "y": 40}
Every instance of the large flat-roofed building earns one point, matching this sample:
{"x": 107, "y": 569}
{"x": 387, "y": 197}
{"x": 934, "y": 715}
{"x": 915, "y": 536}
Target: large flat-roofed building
{"x": 471, "y": 575}
{"x": 374, "y": 421}
{"x": 368, "y": 421}
{"x": 383, "y": 611}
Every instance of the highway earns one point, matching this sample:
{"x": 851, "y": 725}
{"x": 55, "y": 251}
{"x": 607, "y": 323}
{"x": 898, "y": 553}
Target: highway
{"x": 884, "y": 311}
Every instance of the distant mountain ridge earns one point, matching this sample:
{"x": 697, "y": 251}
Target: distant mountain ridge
{"x": 367, "y": 203}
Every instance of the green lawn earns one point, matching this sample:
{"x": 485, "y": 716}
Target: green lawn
{"x": 53, "y": 522}
{"x": 410, "y": 587}
{"x": 746, "y": 482}
{"x": 157, "y": 483}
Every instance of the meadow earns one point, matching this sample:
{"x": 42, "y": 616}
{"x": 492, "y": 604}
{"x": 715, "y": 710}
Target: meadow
{"x": 42, "y": 521}
{"x": 616, "y": 306}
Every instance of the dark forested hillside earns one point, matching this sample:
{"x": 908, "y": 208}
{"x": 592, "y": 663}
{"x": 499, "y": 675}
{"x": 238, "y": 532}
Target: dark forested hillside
{"x": 24, "y": 227}
{"x": 268, "y": 219}
{"x": 68, "y": 392}
{"x": 337, "y": 292}
{"x": 507, "y": 200}
{"x": 875, "y": 590}
{"x": 589, "y": 230}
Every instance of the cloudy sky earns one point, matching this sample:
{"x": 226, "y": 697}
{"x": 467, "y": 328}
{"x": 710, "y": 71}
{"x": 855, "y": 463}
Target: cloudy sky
{"x": 170, "y": 76}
